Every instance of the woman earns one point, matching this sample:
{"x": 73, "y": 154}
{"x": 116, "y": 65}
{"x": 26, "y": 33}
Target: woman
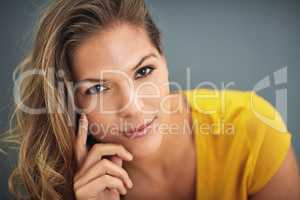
{"x": 104, "y": 60}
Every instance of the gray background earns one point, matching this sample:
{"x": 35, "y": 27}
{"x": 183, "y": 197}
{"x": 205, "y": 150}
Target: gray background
{"x": 221, "y": 41}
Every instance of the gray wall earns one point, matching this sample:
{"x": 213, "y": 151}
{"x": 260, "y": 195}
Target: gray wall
{"x": 240, "y": 41}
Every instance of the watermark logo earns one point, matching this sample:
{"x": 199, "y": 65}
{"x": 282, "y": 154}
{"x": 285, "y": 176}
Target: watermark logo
{"x": 278, "y": 114}
{"x": 54, "y": 81}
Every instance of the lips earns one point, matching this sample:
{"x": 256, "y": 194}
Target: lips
{"x": 139, "y": 131}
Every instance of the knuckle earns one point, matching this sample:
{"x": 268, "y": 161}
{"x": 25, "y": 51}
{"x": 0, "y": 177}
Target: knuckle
{"x": 82, "y": 121}
{"x": 79, "y": 195}
{"x": 96, "y": 148}
{"x": 75, "y": 178}
{"x": 106, "y": 178}
{"x": 125, "y": 151}
{"x": 75, "y": 184}
{"x": 124, "y": 173}
{"x": 75, "y": 188}
{"x": 105, "y": 162}
{"x": 120, "y": 148}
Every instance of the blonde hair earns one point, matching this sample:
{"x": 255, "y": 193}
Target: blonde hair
{"x": 46, "y": 165}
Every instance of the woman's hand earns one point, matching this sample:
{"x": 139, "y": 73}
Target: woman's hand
{"x": 97, "y": 177}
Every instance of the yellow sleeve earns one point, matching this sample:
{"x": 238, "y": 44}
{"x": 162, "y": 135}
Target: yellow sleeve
{"x": 271, "y": 143}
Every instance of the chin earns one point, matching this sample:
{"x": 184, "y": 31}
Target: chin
{"x": 146, "y": 147}
{"x": 147, "y": 144}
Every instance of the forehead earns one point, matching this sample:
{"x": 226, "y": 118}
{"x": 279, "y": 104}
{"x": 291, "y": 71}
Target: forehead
{"x": 118, "y": 48}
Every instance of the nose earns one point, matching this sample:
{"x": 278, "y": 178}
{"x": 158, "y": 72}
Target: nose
{"x": 130, "y": 103}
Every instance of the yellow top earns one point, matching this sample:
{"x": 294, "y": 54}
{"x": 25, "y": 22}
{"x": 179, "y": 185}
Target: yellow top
{"x": 241, "y": 141}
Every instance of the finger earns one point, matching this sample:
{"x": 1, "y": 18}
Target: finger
{"x": 99, "y": 185}
{"x": 103, "y": 149}
{"x": 117, "y": 160}
{"x": 102, "y": 168}
{"x": 80, "y": 143}
{"x": 114, "y": 192}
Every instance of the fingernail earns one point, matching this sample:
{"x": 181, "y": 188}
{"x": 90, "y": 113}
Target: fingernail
{"x": 130, "y": 157}
{"x": 124, "y": 192}
{"x": 83, "y": 116}
{"x": 130, "y": 184}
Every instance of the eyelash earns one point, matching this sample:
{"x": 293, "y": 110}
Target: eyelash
{"x": 88, "y": 91}
{"x": 146, "y": 67}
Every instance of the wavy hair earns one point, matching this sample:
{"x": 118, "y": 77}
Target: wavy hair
{"x": 43, "y": 122}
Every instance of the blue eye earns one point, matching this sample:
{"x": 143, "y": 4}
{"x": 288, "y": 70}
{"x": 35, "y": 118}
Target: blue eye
{"x": 144, "y": 71}
{"x": 95, "y": 89}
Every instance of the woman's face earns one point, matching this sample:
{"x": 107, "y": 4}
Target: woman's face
{"x": 122, "y": 84}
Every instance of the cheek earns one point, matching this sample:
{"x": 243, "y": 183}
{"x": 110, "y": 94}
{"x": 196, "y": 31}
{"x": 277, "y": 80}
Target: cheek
{"x": 150, "y": 95}
{"x": 163, "y": 82}
{"x": 164, "y": 88}
{"x": 100, "y": 125}
{"x": 157, "y": 83}
{"x": 153, "y": 90}
{"x": 98, "y": 104}
{"x": 104, "y": 128}
{"x": 83, "y": 102}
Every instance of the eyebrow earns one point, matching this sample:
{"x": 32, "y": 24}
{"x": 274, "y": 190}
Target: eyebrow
{"x": 136, "y": 66}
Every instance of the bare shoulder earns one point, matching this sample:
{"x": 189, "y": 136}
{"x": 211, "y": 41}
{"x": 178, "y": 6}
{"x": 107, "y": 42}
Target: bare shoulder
{"x": 285, "y": 184}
